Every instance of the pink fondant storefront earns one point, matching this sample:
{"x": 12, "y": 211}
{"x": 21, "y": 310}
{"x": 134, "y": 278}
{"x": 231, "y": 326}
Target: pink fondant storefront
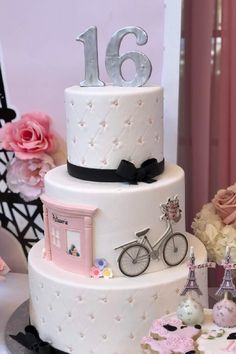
{"x": 68, "y": 235}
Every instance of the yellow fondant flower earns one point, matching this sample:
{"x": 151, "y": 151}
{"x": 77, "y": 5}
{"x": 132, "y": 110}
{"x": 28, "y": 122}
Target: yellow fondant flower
{"x": 107, "y": 273}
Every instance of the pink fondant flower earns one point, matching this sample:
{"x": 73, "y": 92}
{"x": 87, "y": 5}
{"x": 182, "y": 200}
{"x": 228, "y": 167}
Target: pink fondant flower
{"x": 95, "y": 272}
{"x": 28, "y": 137}
{"x": 225, "y": 205}
{"x": 27, "y": 176}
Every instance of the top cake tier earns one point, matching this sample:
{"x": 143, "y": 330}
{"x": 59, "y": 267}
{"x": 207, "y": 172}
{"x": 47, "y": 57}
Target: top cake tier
{"x": 108, "y": 124}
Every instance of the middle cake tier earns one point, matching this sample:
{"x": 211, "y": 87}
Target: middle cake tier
{"x": 89, "y": 220}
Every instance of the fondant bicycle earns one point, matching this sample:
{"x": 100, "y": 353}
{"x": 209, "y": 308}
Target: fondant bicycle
{"x": 136, "y": 255}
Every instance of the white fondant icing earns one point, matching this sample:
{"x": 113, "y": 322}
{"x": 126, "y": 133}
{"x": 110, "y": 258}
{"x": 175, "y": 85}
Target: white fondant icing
{"x": 122, "y": 209}
{"x": 108, "y": 124}
{"x": 103, "y": 316}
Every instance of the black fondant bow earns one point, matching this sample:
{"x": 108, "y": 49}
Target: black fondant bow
{"x": 32, "y": 341}
{"x": 145, "y": 173}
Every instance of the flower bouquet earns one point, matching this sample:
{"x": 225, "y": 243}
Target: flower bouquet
{"x": 36, "y": 150}
{"x": 215, "y": 224}
{"x": 29, "y": 149}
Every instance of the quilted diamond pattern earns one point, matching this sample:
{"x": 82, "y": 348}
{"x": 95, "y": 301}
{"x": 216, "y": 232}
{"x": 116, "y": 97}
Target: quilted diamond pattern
{"x": 107, "y": 125}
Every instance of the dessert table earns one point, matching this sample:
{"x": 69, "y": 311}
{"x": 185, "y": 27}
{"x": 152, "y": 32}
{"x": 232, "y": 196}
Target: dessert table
{"x": 13, "y": 292}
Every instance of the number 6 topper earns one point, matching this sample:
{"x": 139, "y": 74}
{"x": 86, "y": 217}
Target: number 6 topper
{"x": 114, "y": 61}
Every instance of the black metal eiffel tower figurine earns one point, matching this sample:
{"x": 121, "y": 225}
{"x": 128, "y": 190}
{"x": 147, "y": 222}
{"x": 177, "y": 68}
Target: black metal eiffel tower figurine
{"x": 191, "y": 284}
{"x": 20, "y": 218}
{"x": 227, "y": 285}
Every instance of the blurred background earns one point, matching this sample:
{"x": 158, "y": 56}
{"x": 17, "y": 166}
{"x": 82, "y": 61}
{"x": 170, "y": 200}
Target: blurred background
{"x": 207, "y": 110}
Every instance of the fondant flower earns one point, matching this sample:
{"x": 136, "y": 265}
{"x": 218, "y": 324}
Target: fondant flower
{"x": 28, "y": 137}
{"x": 27, "y": 176}
{"x": 107, "y": 273}
{"x": 95, "y": 272}
{"x": 100, "y": 263}
{"x": 225, "y": 204}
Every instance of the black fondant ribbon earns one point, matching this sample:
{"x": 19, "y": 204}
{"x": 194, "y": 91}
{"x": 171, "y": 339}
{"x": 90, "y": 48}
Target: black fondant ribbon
{"x": 32, "y": 341}
{"x": 126, "y": 172}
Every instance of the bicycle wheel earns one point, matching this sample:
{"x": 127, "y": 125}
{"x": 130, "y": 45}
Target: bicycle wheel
{"x": 134, "y": 260}
{"x": 175, "y": 249}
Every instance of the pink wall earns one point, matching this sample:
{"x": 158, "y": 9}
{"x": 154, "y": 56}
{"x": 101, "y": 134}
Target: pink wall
{"x": 41, "y": 57}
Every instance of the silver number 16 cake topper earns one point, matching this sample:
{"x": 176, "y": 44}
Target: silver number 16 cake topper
{"x": 114, "y": 60}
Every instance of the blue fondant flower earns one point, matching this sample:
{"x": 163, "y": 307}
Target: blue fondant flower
{"x": 100, "y": 263}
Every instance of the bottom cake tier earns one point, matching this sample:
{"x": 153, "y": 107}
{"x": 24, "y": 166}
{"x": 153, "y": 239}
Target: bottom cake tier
{"x": 82, "y": 315}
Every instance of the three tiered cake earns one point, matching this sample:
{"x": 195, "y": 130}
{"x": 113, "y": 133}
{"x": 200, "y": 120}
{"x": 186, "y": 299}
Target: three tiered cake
{"x": 109, "y": 207}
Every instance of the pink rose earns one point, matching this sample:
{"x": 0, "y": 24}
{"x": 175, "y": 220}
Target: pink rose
{"x": 225, "y": 204}
{"x": 28, "y": 137}
{"x": 27, "y": 176}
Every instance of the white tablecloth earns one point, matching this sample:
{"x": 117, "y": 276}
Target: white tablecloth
{"x": 13, "y": 292}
